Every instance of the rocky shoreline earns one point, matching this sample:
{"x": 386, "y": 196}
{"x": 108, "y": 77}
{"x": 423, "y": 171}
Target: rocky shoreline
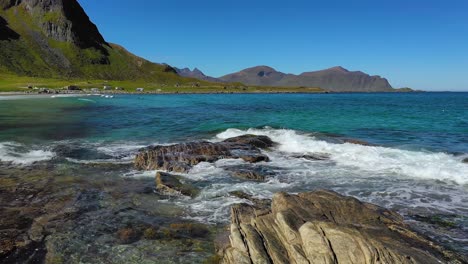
{"x": 315, "y": 227}
{"x": 50, "y": 216}
{"x": 325, "y": 227}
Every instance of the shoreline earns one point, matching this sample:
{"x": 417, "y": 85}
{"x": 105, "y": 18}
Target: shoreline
{"x": 85, "y": 93}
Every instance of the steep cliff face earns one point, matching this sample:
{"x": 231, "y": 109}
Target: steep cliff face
{"x": 56, "y": 38}
{"x": 61, "y": 20}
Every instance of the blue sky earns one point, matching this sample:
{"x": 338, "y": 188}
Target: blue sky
{"x": 415, "y": 43}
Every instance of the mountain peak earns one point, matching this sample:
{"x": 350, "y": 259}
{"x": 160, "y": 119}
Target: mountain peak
{"x": 260, "y": 68}
{"x": 197, "y": 71}
{"x": 338, "y": 68}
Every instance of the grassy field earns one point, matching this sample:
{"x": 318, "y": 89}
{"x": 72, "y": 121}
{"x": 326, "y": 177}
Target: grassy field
{"x": 13, "y": 83}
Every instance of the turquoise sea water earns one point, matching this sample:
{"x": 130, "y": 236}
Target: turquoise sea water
{"x": 414, "y": 167}
{"x": 431, "y": 121}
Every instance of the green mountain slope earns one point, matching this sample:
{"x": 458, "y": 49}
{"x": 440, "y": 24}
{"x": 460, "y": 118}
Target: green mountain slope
{"x": 56, "y": 39}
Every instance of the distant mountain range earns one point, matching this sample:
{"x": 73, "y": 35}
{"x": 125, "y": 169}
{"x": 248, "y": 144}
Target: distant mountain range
{"x": 197, "y": 74}
{"x": 336, "y": 79}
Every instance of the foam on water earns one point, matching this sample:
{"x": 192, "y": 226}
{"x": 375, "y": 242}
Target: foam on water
{"x": 407, "y": 181}
{"x": 21, "y": 155}
{"x": 438, "y": 166}
{"x": 140, "y": 174}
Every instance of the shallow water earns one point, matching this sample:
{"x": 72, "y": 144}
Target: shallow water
{"x": 414, "y": 165}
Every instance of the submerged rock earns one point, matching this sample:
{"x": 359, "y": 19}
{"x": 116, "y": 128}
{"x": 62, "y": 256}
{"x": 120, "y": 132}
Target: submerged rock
{"x": 182, "y": 157}
{"x": 357, "y": 142}
{"x": 171, "y": 185}
{"x": 313, "y": 156}
{"x": 250, "y": 172}
{"x": 325, "y": 227}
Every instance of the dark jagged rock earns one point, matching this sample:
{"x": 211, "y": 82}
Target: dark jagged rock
{"x": 325, "y": 227}
{"x": 465, "y": 160}
{"x": 182, "y": 157}
{"x": 172, "y": 185}
{"x": 253, "y": 140}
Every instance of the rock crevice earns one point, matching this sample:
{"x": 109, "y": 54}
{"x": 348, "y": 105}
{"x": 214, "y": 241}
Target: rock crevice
{"x": 325, "y": 227}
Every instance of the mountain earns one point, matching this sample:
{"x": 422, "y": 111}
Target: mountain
{"x": 55, "y": 38}
{"x": 336, "y": 79}
{"x": 196, "y": 73}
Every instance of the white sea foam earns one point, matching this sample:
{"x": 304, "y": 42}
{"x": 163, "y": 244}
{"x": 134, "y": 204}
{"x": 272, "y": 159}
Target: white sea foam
{"x": 439, "y": 166}
{"x": 18, "y": 154}
{"x": 140, "y": 174}
{"x": 125, "y": 151}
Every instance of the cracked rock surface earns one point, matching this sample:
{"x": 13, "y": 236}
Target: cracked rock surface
{"x": 325, "y": 227}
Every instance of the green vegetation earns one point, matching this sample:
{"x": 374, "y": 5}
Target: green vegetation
{"x": 446, "y": 221}
{"x": 14, "y": 83}
{"x": 55, "y": 17}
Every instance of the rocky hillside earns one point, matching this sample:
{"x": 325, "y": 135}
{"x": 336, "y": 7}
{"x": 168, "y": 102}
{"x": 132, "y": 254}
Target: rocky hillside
{"x": 196, "y": 73}
{"x": 335, "y": 79}
{"x": 55, "y": 38}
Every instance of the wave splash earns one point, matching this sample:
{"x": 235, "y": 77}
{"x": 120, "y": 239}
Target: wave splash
{"x": 21, "y": 155}
{"x": 390, "y": 161}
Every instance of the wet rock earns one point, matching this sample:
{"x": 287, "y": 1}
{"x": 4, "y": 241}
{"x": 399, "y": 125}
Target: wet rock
{"x": 262, "y": 142}
{"x": 128, "y": 235}
{"x": 313, "y": 156}
{"x": 170, "y": 184}
{"x": 249, "y": 175}
{"x": 187, "y": 230}
{"x": 465, "y": 160}
{"x": 445, "y": 221}
{"x": 250, "y": 172}
{"x": 150, "y": 233}
{"x": 182, "y": 157}
{"x": 77, "y": 152}
{"x": 325, "y": 227}
{"x": 259, "y": 204}
{"x": 357, "y": 142}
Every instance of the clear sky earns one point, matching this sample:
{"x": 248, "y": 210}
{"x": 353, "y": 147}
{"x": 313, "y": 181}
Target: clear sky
{"x": 422, "y": 44}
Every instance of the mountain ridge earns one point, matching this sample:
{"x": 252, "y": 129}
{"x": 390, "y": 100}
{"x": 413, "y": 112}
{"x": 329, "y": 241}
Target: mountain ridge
{"x": 337, "y": 79}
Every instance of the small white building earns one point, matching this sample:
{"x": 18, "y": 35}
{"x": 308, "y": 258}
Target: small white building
{"x": 140, "y": 89}
{"x": 94, "y": 90}
{"x": 107, "y": 87}
{"x": 118, "y": 88}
